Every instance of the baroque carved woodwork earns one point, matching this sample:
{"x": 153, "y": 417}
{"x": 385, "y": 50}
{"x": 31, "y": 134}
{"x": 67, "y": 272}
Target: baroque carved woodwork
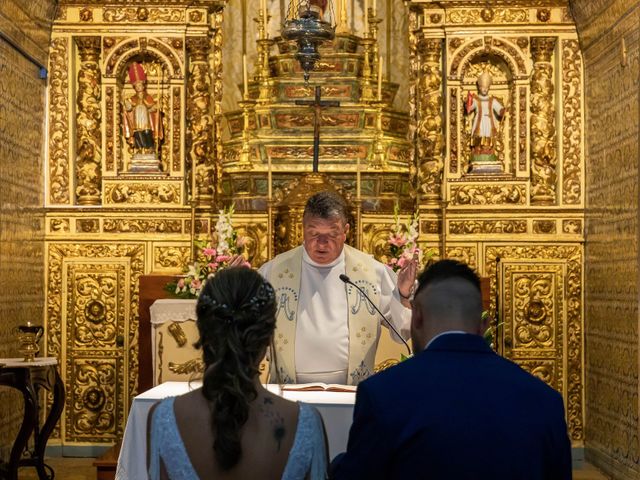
{"x": 543, "y": 131}
{"x": 88, "y": 123}
{"x": 254, "y": 154}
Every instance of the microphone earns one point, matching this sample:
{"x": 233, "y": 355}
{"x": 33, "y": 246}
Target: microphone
{"x": 346, "y": 279}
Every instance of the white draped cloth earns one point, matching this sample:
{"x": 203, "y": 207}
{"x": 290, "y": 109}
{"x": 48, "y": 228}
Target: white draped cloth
{"x": 322, "y": 333}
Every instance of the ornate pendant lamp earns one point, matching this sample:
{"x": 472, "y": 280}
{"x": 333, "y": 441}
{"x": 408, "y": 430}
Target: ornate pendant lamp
{"x": 309, "y": 23}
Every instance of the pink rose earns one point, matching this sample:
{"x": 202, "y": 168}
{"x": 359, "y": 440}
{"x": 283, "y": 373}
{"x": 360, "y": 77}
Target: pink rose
{"x": 181, "y": 283}
{"x": 196, "y": 283}
{"x": 212, "y": 266}
{"x": 222, "y": 258}
{"x": 209, "y": 252}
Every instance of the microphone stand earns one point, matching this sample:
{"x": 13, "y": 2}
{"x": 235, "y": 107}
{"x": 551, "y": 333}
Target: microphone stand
{"x": 346, "y": 279}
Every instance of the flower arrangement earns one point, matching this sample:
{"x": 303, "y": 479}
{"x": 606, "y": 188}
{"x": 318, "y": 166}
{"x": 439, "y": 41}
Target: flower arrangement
{"x": 402, "y": 241}
{"x": 211, "y": 257}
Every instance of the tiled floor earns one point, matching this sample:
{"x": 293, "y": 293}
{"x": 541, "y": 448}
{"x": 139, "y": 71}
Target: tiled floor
{"x": 83, "y": 469}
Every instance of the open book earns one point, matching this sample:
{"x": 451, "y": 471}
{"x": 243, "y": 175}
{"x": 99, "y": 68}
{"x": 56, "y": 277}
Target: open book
{"x": 318, "y": 387}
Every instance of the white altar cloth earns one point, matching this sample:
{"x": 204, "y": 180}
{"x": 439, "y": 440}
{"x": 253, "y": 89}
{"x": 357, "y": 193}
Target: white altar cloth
{"x": 336, "y": 409}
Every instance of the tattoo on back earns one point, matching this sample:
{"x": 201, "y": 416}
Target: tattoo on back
{"x": 275, "y": 420}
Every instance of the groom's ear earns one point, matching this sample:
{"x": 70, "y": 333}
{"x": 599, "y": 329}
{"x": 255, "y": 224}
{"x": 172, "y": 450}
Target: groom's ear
{"x": 346, "y": 228}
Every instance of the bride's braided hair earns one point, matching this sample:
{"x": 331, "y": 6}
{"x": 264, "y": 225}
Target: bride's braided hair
{"x": 236, "y": 319}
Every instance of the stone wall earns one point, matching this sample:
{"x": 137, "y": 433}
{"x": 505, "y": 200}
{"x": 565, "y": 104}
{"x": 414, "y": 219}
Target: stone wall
{"x": 24, "y": 32}
{"x": 608, "y": 33}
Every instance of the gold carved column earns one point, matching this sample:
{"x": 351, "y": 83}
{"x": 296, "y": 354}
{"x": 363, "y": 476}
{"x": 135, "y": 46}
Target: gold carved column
{"x": 430, "y": 137}
{"x": 200, "y": 121}
{"x": 543, "y": 130}
{"x": 88, "y": 123}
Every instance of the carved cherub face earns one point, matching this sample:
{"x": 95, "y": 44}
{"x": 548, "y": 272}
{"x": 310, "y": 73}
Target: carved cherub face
{"x": 139, "y": 87}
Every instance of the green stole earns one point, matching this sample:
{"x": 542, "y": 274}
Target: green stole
{"x": 364, "y": 326}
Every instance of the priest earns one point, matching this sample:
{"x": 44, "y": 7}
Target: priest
{"x": 326, "y": 330}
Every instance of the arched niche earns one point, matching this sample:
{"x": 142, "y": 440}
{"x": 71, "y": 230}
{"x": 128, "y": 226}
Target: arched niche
{"x": 510, "y": 72}
{"x": 159, "y": 73}
{"x": 502, "y": 88}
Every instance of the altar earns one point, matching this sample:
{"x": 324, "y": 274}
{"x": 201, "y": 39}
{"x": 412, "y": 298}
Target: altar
{"x": 336, "y": 409}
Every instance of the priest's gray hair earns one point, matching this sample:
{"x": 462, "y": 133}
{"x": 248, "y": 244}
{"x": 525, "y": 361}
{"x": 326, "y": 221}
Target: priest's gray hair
{"x": 327, "y": 205}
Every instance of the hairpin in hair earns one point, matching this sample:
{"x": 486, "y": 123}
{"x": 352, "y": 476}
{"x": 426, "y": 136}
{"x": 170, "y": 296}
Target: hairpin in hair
{"x": 208, "y": 301}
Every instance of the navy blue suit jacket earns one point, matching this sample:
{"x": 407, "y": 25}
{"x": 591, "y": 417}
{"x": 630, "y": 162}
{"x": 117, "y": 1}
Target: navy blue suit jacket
{"x": 456, "y": 411}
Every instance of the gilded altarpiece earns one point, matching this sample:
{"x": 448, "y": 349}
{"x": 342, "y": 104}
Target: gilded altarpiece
{"x": 521, "y": 224}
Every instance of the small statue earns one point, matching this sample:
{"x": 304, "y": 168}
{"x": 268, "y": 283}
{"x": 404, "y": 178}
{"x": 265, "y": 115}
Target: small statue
{"x": 488, "y": 113}
{"x": 141, "y": 118}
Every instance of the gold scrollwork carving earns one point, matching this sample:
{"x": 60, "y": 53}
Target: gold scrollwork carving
{"x": 195, "y": 365}
{"x": 571, "y": 295}
{"x": 109, "y": 156}
{"x": 93, "y": 299}
{"x": 142, "y": 193}
{"x": 59, "y": 122}
{"x": 93, "y": 405}
{"x": 572, "y": 118}
{"x": 572, "y": 226}
{"x": 172, "y": 258}
{"x": 175, "y": 129}
{"x": 468, "y": 255}
{"x": 59, "y": 225}
{"x": 125, "y": 225}
{"x": 84, "y": 373}
{"x": 88, "y": 123}
{"x": 216, "y": 51}
{"x": 375, "y": 239}
{"x": 488, "y": 15}
{"x": 533, "y": 304}
{"x": 143, "y": 14}
{"x": 488, "y": 195}
{"x": 256, "y": 247}
{"x": 460, "y": 227}
{"x": 543, "y": 369}
{"x": 430, "y": 136}
{"x": 200, "y": 120}
{"x": 176, "y": 331}
{"x": 522, "y": 135}
{"x": 544, "y": 226}
{"x": 87, "y": 225}
{"x": 543, "y": 130}
{"x": 453, "y": 130}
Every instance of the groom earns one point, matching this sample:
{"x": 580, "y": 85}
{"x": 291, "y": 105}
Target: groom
{"x": 456, "y": 410}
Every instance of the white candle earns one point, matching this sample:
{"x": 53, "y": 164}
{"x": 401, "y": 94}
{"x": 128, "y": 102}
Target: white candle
{"x": 374, "y": 9}
{"x": 245, "y": 79}
{"x": 264, "y": 15}
{"x": 380, "y": 79}
{"x": 366, "y": 15}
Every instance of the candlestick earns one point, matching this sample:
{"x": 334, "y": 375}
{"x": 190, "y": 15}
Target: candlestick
{"x": 380, "y": 78}
{"x": 245, "y": 80}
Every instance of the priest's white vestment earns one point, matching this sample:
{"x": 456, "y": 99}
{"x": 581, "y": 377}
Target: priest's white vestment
{"x": 326, "y": 331}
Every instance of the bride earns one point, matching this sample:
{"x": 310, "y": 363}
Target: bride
{"x": 232, "y": 427}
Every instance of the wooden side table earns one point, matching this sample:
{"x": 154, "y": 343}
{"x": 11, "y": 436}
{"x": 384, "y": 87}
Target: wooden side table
{"x": 29, "y": 378}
